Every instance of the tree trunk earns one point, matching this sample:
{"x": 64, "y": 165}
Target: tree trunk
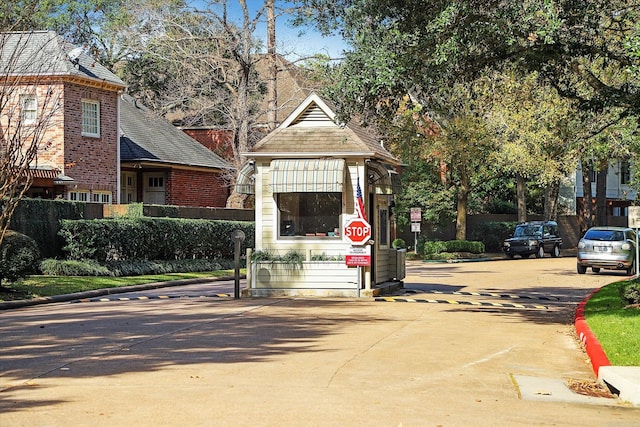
{"x": 463, "y": 198}
{"x": 521, "y": 198}
{"x": 551, "y": 201}
{"x": 272, "y": 89}
{"x": 601, "y": 195}
{"x": 586, "y": 220}
{"x": 241, "y": 116}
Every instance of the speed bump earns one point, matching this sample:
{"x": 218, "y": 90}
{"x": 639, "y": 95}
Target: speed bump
{"x": 461, "y": 302}
{"x": 144, "y": 297}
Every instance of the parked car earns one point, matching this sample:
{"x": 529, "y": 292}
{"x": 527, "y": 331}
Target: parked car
{"x": 612, "y": 248}
{"x": 533, "y": 238}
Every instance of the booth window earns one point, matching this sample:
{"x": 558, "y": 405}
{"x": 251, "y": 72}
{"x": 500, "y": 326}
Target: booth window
{"x": 308, "y": 193}
{"x": 309, "y": 214}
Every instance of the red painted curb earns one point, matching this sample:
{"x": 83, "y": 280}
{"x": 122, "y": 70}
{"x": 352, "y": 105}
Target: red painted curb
{"x": 592, "y": 346}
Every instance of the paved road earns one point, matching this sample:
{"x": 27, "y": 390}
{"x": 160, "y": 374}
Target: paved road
{"x": 419, "y": 359}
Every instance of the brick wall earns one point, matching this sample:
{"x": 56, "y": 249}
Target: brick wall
{"x": 91, "y": 162}
{"x": 196, "y": 188}
{"x": 217, "y": 140}
{"x": 48, "y": 95}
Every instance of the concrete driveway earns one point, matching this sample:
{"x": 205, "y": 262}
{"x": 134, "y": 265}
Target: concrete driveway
{"x": 483, "y": 343}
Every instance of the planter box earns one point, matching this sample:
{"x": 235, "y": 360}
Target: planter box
{"x": 310, "y": 275}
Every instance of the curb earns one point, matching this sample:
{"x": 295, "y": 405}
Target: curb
{"x": 7, "y": 305}
{"x": 594, "y": 350}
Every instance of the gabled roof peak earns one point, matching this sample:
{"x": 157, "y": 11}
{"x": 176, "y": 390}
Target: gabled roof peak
{"x": 312, "y": 112}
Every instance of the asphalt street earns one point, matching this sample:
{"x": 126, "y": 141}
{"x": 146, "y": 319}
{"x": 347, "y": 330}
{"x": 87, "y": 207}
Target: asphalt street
{"x": 483, "y": 343}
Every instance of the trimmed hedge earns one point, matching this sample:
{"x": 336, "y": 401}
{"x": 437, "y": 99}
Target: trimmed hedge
{"x": 145, "y": 238}
{"x": 40, "y": 220}
{"x": 19, "y": 256}
{"x": 437, "y": 247}
{"x": 55, "y": 267}
{"x": 493, "y": 233}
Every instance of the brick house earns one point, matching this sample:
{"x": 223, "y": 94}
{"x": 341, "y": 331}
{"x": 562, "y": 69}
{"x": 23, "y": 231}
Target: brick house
{"x": 48, "y": 76}
{"x": 162, "y": 165}
{"x": 100, "y": 145}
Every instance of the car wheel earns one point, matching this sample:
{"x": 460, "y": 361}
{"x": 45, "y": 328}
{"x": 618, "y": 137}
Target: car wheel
{"x": 582, "y": 269}
{"x": 556, "y": 251}
{"x": 631, "y": 270}
{"x": 595, "y": 269}
{"x": 540, "y": 253}
{"x": 510, "y": 256}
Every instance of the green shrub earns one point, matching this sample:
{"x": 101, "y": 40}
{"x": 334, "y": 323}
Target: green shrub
{"x": 144, "y": 267}
{"x": 55, "y": 267}
{"x": 436, "y": 250}
{"x": 324, "y": 257}
{"x": 146, "y": 238}
{"x": 399, "y": 244}
{"x": 291, "y": 258}
{"x": 464, "y": 246}
{"x": 493, "y": 233}
{"x": 630, "y": 293}
{"x": 19, "y": 256}
{"x": 433, "y": 247}
{"x": 40, "y": 220}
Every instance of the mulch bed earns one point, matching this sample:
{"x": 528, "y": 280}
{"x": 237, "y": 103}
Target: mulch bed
{"x": 590, "y": 388}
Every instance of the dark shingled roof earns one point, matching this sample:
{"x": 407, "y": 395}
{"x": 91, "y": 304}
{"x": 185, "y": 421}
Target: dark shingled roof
{"x": 150, "y": 138}
{"x": 45, "y": 53}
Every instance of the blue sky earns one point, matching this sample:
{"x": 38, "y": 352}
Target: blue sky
{"x": 292, "y": 42}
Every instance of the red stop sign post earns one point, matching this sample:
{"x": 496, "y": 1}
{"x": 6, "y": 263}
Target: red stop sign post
{"x": 357, "y": 231}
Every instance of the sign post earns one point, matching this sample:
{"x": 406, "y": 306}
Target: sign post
{"x": 237, "y": 237}
{"x": 634, "y": 222}
{"x": 416, "y": 219}
{"x": 358, "y": 232}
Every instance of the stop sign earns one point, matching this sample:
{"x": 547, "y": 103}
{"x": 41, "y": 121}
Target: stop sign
{"x": 357, "y": 231}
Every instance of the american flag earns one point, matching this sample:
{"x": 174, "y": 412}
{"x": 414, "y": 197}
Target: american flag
{"x": 359, "y": 201}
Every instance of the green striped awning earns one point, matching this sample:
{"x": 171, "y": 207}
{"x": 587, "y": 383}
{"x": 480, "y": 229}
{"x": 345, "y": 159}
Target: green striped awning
{"x": 307, "y": 175}
{"x": 246, "y": 180}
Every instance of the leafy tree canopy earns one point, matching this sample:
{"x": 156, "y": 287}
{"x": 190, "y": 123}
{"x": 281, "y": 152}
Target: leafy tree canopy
{"x": 412, "y": 46}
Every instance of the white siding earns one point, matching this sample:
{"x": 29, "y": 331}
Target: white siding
{"x": 615, "y": 190}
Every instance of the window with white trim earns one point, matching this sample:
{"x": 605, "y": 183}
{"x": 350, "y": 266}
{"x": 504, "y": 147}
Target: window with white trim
{"x": 90, "y": 118}
{"x": 101, "y": 197}
{"x": 79, "y": 196}
{"x": 29, "y": 107}
{"x": 309, "y": 214}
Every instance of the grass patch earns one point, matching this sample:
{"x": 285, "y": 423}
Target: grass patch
{"x": 615, "y": 324}
{"x": 46, "y": 286}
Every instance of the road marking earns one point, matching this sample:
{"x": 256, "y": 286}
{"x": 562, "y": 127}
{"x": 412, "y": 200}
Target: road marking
{"x": 148, "y": 297}
{"x": 474, "y": 303}
{"x": 491, "y": 356}
{"x": 483, "y": 294}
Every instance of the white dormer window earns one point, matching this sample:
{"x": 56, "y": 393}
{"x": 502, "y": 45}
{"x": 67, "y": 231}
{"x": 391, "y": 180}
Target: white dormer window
{"x": 90, "y": 118}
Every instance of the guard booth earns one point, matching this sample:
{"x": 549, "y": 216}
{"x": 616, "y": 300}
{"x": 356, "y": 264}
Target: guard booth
{"x": 318, "y": 185}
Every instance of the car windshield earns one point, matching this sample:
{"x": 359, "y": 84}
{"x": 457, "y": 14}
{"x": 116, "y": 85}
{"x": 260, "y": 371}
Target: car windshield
{"x": 604, "y": 235}
{"x": 528, "y": 230}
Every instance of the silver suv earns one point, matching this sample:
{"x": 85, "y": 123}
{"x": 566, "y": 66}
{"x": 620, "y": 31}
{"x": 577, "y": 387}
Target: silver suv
{"x": 612, "y": 248}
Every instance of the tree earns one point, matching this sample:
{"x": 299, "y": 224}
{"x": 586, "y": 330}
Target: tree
{"x": 30, "y": 100}
{"x": 536, "y": 131}
{"x": 447, "y": 41}
{"x": 453, "y": 134}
